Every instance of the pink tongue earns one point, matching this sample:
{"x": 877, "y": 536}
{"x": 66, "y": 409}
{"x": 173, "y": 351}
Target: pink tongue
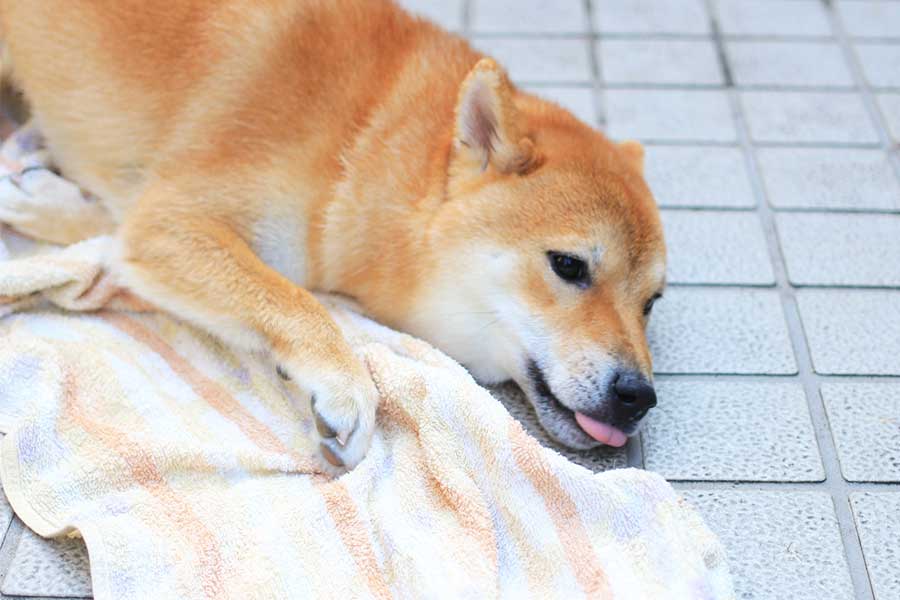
{"x": 601, "y": 432}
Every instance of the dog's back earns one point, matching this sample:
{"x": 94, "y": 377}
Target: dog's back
{"x": 121, "y": 85}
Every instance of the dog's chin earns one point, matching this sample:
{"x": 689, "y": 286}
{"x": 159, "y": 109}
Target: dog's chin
{"x": 558, "y": 420}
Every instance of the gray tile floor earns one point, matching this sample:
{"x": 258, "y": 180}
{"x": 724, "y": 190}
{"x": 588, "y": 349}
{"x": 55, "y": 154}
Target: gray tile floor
{"x": 772, "y": 130}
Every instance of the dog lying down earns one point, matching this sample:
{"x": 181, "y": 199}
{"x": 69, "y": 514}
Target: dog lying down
{"x": 248, "y": 152}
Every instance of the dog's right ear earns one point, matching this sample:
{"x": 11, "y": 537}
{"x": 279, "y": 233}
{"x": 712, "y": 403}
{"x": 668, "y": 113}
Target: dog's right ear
{"x": 487, "y": 132}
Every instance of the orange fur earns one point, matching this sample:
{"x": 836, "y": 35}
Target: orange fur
{"x": 249, "y": 150}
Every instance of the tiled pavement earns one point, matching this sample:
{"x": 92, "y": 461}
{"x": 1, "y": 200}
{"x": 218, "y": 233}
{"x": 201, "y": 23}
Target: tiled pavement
{"x": 772, "y": 130}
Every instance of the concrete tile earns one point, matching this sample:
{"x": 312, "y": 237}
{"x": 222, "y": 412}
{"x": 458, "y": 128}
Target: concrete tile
{"x": 772, "y": 17}
{"x": 829, "y": 178}
{"x": 698, "y": 177}
{"x": 716, "y": 247}
{"x": 881, "y": 63}
{"x": 865, "y": 422}
{"x": 763, "y": 429}
{"x": 890, "y": 108}
{"x": 57, "y": 567}
{"x": 810, "y": 63}
{"x": 870, "y": 18}
{"x": 580, "y": 101}
{"x": 651, "y": 16}
{"x": 877, "y": 518}
{"x": 446, "y": 13}
{"x": 720, "y": 331}
{"x": 528, "y": 16}
{"x": 841, "y": 249}
{"x": 833, "y": 117}
{"x": 779, "y": 544}
{"x": 598, "y": 459}
{"x": 540, "y": 60}
{"x": 670, "y": 115}
{"x": 852, "y": 332}
{"x": 660, "y": 62}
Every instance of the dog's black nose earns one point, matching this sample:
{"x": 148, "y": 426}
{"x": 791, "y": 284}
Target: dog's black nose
{"x": 635, "y": 394}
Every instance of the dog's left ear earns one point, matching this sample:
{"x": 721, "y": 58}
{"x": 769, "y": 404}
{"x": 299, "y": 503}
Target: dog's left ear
{"x": 488, "y": 126}
{"x": 634, "y": 154}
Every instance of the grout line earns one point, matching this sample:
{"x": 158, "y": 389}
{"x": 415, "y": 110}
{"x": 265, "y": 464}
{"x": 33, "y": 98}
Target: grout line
{"x": 598, "y": 97}
{"x": 834, "y": 482}
{"x": 782, "y": 486}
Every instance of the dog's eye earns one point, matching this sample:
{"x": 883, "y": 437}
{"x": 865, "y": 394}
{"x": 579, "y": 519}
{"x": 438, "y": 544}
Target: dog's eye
{"x": 649, "y": 305}
{"x": 569, "y": 268}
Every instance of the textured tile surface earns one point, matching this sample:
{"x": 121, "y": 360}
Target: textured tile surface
{"x": 722, "y": 430}
{"x": 881, "y": 63}
{"x": 865, "y": 422}
{"x": 447, "y": 13}
{"x": 651, "y": 16}
{"x": 808, "y": 117}
{"x": 788, "y": 63}
{"x": 870, "y": 18}
{"x": 889, "y": 104}
{"x": 841, "y": 249}
{"x": 829, "y": 178}
{"x": 664, "y": 61}
{"x": 40, "y": 567}
{"x": 525, "y": 16}
{"x": 580, "y": 101}
{"x": 720, "y": 331}
{"x": 598, "y": 459}
{"x": 716, "y": 247}
{"x": 852, "y": 331}
{"x": 772, "y": 17}
{"x": 540, "y": 60}
{"x": 696, "y": 177}
{"x": 779, "y": 544}
{"x": 700, "y": 115}
{"x": 878, "y": 523}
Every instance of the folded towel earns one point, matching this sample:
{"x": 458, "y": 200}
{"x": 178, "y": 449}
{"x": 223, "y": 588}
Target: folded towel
{"x": 191, "y": 469}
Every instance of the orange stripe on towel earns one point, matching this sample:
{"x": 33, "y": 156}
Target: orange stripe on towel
{"x": 355, "y": 536}
{"x": 213, "y": 393}
{"x": 145, "y": 473}
{"x": 562, "y": 509}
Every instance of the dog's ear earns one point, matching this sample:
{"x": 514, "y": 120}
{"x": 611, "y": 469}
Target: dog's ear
{"x": 634, "y": 154}
{"x": 487, "y": 124}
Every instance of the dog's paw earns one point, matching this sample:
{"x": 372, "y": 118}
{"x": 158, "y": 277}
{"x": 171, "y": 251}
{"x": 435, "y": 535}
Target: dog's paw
{"x": 343, "y": 407}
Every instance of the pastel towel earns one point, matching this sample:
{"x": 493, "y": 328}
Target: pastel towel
{"x": 190, "y": 469}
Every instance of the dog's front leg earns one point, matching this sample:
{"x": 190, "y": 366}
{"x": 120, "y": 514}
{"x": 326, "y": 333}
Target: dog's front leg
{"x": 194, "y": 264}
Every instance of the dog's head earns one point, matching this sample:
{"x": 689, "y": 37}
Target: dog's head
{"x": 550, "y": 255}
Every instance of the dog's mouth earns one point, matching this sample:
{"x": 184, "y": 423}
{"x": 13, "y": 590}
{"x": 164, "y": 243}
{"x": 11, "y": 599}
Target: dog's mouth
{"x": 597, "y": 430}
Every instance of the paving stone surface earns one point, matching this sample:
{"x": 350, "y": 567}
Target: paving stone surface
{"x": 720, "y": 331}
{"x": 42, "y": 567}
{"x": 723, "y": 431}
{"x": 878, "y": 520}
{"x": 772, "y": 17}
{"x": 790, "y": 64}
{"x": 841, "y": 249}
{"x": 779, "y": 544}
{"x": 771, "y": 130}
{"x": 865, "y": 422}
{"x": 829, "y": 179}
{"x": 670, "y": 115}
{"x": 808, "y": 117}
{"x": 852, "y": 332}
{"x": 660, "y": 62}
{"x": 716, "y": 248}
{"x": 693, "y": 176}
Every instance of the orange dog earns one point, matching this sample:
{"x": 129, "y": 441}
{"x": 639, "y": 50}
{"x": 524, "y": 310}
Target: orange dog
{"x": 248, "y": 151}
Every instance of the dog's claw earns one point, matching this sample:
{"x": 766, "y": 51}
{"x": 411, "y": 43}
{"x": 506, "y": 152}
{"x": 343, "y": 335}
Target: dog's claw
{"x": 282, "y": 373}
{"x": 330, "y": 455}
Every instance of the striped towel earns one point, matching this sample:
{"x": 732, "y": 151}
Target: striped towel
{"x": 191, "y": 470}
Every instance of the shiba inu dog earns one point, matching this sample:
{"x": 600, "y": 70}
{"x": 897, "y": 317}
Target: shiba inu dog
{"x": 246, "y": 152}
